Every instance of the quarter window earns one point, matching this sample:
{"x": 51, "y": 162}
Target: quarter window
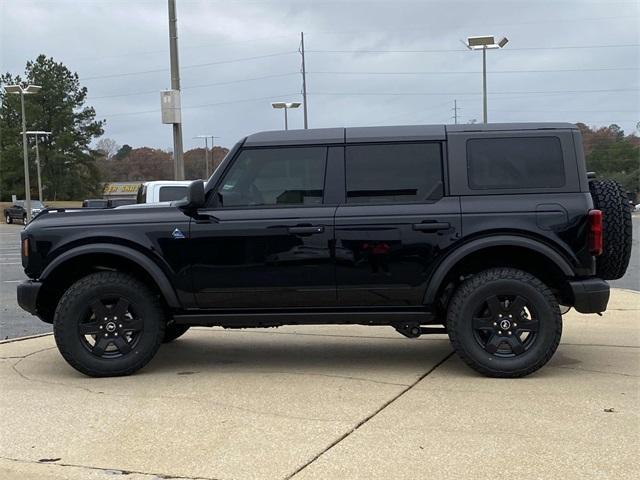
{"x": 275, "y": 176}
{"x": 394, "y": 173}
{"x": 515, "y": 163}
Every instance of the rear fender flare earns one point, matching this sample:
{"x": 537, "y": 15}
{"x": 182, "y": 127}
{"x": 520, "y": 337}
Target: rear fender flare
{"x": 461, "y": 252}
{"x": 144, "y": 262}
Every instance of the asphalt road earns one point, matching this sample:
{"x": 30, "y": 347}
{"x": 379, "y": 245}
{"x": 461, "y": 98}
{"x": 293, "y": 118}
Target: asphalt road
{"x": 14, "y": 322}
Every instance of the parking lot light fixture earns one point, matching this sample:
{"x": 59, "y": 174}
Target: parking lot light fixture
{"x": 286, "y": 106}
{"x": 29, "y": 90}
{"x": 484, "y": 43}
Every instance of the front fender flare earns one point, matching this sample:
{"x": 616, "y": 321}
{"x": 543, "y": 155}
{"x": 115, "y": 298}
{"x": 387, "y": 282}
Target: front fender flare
{"x": 494, "y": 241}
{"x": 144, "y": 262}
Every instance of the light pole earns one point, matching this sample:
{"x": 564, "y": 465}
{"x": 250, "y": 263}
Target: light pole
{"x": 286, "y": 106}
{"x": 206, "y": 151}
{"x": 35, "y": 134}
{"x": 484, "y": 43}
{"x": 29, "y": 90}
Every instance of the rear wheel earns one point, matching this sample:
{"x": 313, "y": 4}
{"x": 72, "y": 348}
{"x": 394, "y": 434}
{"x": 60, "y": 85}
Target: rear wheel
{"x": 108, "y": 324}
{"x": 504, "y": 322}
{"x": 609, "y": 197}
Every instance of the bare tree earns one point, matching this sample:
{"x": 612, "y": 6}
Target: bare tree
{"x": 108, "y": 147}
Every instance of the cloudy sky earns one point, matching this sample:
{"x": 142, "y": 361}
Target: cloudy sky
{"x": 375, "y": 62}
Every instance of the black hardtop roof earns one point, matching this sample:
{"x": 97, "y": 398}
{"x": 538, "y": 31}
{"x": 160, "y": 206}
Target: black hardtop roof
{"x": 318, "y": 136}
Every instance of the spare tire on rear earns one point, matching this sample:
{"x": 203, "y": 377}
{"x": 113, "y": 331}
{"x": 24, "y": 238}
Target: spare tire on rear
{"x": 609, "y": 197}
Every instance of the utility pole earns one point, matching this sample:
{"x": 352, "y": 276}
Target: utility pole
{"x": 484, "y": 84}
{"x": 206, "y": 152}
{"x": 455, "y": 112}
{"x": 35, "y": 134}
{"x": 304, "y": 82}
{"x": 178, "y": 160}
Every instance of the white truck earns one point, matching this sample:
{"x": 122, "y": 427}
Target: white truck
{"x": 160, "y": 191}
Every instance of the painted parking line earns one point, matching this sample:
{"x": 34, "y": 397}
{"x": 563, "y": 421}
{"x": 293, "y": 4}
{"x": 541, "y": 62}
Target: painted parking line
{"x": 12, "y": 281}
{"x": 10, "y": 263}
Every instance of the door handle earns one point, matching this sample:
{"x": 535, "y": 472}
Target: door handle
{"x": 431, "y": 226}
{"x": 306, "y": 230}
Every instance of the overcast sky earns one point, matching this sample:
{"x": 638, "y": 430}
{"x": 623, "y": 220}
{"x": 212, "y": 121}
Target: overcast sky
{"x": 375, "y": 62}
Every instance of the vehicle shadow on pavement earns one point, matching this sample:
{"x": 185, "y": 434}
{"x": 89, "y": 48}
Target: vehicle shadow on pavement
{"x": 209, "y": 353}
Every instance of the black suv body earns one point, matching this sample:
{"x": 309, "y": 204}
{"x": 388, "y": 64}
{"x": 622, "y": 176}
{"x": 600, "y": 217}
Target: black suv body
{"x": 397, "y": 226}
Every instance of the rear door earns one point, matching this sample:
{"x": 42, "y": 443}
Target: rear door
{"x": 395, "y": 223}
{"x": 267, "y": 241}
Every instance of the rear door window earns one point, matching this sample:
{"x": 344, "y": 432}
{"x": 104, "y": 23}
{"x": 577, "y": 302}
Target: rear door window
{"x": 394, "y": 173}
{"x": 515, "y": 163}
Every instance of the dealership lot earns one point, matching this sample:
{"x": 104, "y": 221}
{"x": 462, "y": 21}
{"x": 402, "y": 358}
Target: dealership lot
{"x": 328, "y": 402}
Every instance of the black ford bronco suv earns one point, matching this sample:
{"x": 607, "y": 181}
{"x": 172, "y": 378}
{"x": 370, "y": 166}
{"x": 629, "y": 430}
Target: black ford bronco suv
{"x": 488, "y": 233}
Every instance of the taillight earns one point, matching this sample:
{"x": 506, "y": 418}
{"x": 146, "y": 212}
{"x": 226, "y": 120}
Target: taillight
{"x": 595, "y": 232}
{"x": 25, "y": 247}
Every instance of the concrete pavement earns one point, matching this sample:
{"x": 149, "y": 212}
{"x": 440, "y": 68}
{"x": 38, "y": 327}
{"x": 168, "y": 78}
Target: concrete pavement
{"x": 328, "y": 403}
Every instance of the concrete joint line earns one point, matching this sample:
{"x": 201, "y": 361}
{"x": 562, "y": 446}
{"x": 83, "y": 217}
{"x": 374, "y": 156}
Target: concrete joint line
{"x": 111, "y": 470}
{"x": 366, "y": 419}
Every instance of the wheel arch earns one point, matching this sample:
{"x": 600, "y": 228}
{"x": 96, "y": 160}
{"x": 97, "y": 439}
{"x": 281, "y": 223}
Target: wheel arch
{"x": 499, "y": 250}
{"x": 79, "y": 261}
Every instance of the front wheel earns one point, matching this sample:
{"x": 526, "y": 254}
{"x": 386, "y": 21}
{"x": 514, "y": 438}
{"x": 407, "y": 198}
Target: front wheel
{"x": 108, "y": 324}
{"x": 504, "y": 322}
{"x": 24, "y": 220}
{"x": 7, "y": 219}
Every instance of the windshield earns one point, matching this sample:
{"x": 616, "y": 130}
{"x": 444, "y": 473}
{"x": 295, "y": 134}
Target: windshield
{"x": 36, "y": 204}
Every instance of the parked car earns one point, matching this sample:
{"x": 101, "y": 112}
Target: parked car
{"x": 484, "y": 232}
{"x": 18, "y": 214}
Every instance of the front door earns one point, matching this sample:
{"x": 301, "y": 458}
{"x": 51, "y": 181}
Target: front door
{"x": 394, "y": 225}
{"x": 267, "y": 242}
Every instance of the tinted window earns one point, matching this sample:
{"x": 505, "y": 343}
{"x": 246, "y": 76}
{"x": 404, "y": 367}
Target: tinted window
{"x": 275, "y": 176}
{"x": 170, "y": 194}
{"x": 526, "y": 162}
{"x": 409, "y": 172}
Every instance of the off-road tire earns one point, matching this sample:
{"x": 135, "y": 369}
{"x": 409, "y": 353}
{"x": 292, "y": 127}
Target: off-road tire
{"x": 494, "y": 282}
{"x": 72, "y": 309}
{"x": 173, "y": 331}
{"x": 609, "y": 197}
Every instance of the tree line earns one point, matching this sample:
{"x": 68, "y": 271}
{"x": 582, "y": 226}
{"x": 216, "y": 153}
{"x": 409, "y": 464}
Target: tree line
{"x": 73, "y": 169}
{"x": 127, "y": 164}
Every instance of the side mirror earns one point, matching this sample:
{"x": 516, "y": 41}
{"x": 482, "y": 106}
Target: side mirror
{"x": 195, "y": 196}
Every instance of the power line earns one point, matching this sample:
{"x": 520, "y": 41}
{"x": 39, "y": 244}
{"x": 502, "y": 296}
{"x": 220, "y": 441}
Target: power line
{"x": 197, "y": 65}
{"x": 444, "y": 50}
{"x": 157, "y": 110}
{"x": 471, "y": 72}
{"x": 474, "y": 93}
{"x": 202, "y": 85}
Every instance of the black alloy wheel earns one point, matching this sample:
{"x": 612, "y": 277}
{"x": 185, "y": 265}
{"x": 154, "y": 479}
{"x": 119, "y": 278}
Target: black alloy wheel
{"x": 109, "y": 324}
{"x": 504, "y": 322}
{"x": 506, "y": 325}
{"x": 111, "y": 328}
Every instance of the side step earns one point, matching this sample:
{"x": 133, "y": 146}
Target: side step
{"x": 249, "y": 319}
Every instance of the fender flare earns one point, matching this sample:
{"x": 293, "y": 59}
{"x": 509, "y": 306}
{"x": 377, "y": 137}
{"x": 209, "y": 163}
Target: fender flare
{"x": 494, "y": 241}
{"x": 144, "y": 262}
